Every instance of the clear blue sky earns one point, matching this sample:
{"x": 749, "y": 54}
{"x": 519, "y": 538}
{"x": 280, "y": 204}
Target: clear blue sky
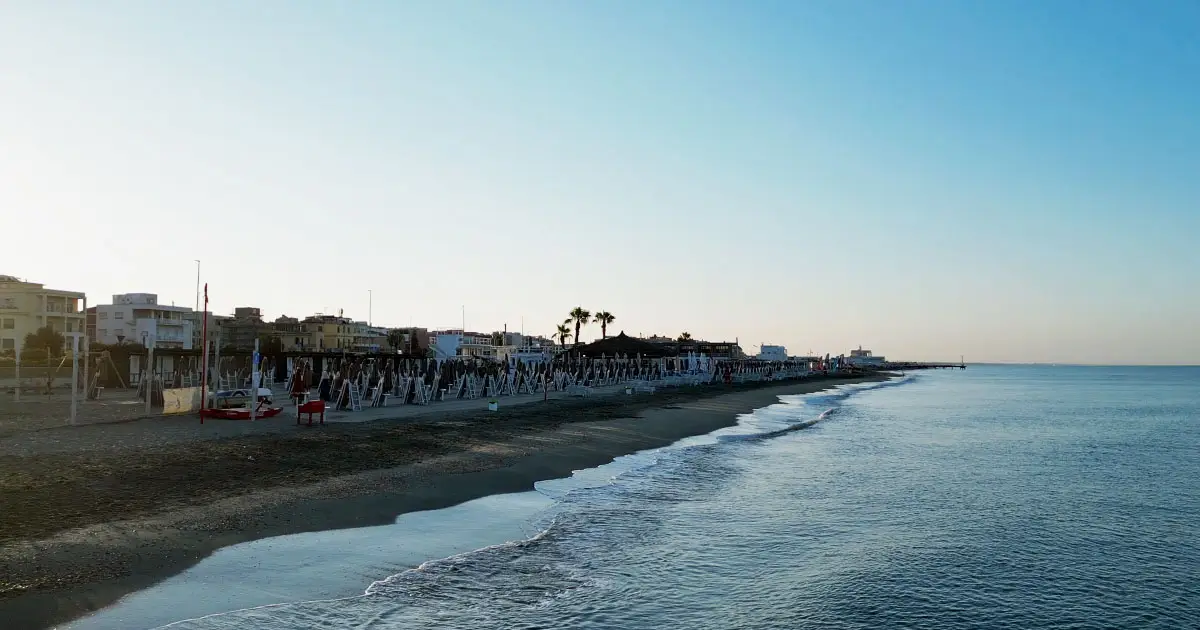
{"x": 1011, "y": 181}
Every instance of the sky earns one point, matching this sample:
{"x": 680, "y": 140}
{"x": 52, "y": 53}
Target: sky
{"x": 1012, "y": 181}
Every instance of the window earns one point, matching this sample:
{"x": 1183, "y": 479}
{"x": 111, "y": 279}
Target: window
{"x": 119, "y": 315}
{"x": 103, "y": 314}
{"x": 9, "y": 324}
{"x": 8, "y": 344}
{"x": 103, "y": 332}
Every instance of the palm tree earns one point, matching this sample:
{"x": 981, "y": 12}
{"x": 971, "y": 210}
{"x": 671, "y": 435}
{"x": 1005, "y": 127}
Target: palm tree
{"x": 686, "y": 336}
{"x": 562, "y": 333}
{"x": 604, "y": 318}
{"x": 580, "y": 316}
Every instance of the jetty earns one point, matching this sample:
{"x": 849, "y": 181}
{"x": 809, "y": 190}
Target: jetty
{"x": 908, "y": 365}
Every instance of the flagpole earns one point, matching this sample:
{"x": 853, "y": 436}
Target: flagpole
{"x": 204, "y": 356}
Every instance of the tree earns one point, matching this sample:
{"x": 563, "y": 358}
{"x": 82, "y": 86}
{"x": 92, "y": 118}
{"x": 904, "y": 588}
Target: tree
{"x": 497, "y": 339}
{"x": 686, "y": 336}
{"x": 563, "y": 333}
{"x": 395, "y": 339}
{"x": 46, "y": 338}
{"x": 580, "y": 316}
{"x": 604, "y": 318}
{"x": 272, "y": 345}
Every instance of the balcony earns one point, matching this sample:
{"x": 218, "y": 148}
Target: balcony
{"x": 50, "y": 311}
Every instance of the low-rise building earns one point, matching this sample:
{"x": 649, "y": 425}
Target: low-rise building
{"x": 285, "y": 333}
{"x": 244, "y": 328}
{"x": 864, "y": 358}
{"x": 455, "y": 342}
{"x": 768, "y": 352}
{"x": 325, "y": 333}
{"x": 27, "y": 306}
{"x": 697, "y": 347}
{"x": 368, "y": 338}
{"x": 139, "y": 318}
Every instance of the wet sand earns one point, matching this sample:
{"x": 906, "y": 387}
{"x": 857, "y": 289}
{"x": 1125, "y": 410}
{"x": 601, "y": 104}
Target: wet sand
{"x": 83, "y": 526}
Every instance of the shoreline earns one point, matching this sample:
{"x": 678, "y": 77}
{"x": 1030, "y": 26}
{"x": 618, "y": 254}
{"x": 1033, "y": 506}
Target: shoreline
{"x": 459, "y": 457}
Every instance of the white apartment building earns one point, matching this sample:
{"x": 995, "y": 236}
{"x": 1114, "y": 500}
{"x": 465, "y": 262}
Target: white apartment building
{"x": 772, "y": 353}
{"x": 27, "y": 306}
{"x": 139, "y": 318}
{"x": 457, "y": 343}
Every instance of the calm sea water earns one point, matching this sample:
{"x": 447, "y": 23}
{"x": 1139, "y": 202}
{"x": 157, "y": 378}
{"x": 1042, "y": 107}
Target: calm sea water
{"x": 999, "y": 497}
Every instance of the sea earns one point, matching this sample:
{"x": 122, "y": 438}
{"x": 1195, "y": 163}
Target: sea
{"x": 996, "y": 497}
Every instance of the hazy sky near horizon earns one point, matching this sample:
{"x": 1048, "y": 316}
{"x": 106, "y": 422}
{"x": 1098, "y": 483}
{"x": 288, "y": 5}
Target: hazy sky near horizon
{"x": 1009, "y": 181}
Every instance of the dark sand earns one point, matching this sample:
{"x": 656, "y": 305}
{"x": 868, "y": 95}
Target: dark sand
{"x": 80, "y": 527}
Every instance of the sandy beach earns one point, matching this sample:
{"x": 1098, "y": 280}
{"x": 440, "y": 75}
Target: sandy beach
{"x": 94, "y": 512}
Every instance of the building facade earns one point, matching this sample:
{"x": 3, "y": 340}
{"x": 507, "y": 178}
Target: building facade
{"x": 715, "y": 349}
{"x": 456, "y": 342}
{"x": 214, "y": 322}
{"x": 27, "y": 306}
{"x": 367, "y": 338}
{"x": 244, "y": 328}
{"x": 139, "y": 318}
{"x": 864, "y": 358}
{"x": 327, "y": 333}
{"x": 772, "y": 353}
{"x": 285, "y": 333}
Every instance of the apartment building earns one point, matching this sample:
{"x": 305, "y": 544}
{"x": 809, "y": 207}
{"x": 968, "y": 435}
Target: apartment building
{"x": 244, "y": 328}
{"x": 139, "y": 318}
{"x": 214, "y": 323}
{"x": 327, "y": 332}
{"x": 27, "y": 306}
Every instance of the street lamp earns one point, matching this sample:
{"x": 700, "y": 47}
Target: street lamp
{"x": 197, "y": 285}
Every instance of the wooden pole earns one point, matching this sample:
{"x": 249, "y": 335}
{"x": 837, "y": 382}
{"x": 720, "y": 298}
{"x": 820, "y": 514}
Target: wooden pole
{"x": 74, "y": 374}
{"x": 254, "y": 382}
{"x": 87, "y": 348}
{"x": 149, "y": 375}
{"x": 217, "y": 361}
{"x": 18, "y": 392}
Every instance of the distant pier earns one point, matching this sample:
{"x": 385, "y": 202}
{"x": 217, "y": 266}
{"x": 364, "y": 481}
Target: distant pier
{"x": 926, "y": 366}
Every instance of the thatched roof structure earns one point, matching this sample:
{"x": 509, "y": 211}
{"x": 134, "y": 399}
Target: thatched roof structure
{"x": 623, "y": 344}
